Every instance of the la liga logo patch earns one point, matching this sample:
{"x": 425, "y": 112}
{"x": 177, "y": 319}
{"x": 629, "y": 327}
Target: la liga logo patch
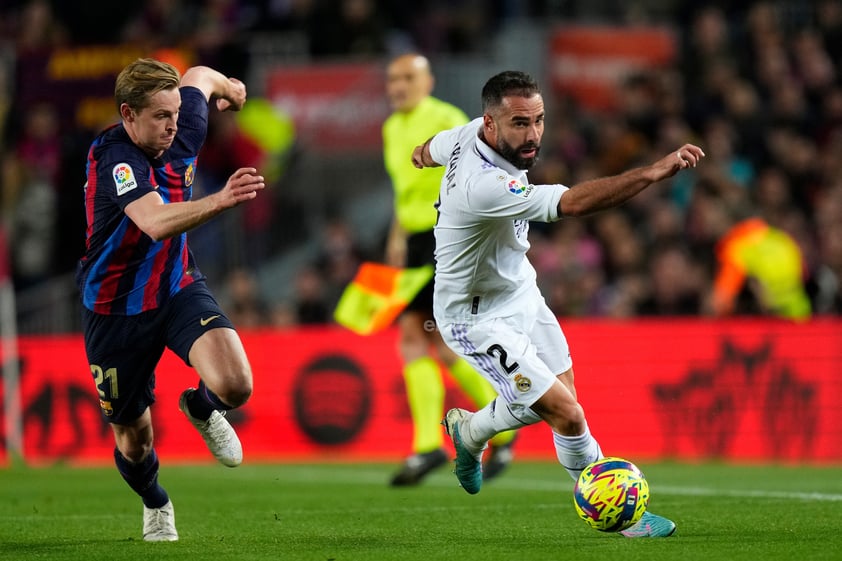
{"x": 124, "y": 178}
{"x": 515, "y": 187}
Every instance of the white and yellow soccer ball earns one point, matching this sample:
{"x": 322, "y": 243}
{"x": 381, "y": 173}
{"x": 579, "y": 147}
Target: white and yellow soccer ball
{"x": 611, "y": 494}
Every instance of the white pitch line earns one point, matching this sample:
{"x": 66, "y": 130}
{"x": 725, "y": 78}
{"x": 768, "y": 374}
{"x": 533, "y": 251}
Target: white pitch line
{"x": 367, "y": 477}
{"x": 749, "y": 493}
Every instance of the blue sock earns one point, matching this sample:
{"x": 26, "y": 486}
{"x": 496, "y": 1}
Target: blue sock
{"x": 203, "y": 402}
{"x": 143, "y": 478}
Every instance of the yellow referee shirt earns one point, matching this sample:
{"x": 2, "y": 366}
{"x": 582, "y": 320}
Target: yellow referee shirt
{"x": 416, "y": 190}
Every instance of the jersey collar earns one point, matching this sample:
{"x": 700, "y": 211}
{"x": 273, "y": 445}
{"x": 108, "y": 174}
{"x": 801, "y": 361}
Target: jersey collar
{"x": 492, "y": 157}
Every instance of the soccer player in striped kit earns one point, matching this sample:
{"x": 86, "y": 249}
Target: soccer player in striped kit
{"x": 486, "y": 300}
{"x": 141, "y": 290}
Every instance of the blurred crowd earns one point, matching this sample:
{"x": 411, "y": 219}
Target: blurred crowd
{"x": 760, "y": 91}
{"x": 757, "y": 84}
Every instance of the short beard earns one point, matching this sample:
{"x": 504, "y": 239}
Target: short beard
{"x": 512, "y": 155}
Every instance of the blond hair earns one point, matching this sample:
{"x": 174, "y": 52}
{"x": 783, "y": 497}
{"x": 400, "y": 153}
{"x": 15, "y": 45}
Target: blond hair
{"x": 142, "y": 79}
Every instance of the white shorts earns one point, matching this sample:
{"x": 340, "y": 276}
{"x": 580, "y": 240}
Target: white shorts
{"x": 520, "y": 355}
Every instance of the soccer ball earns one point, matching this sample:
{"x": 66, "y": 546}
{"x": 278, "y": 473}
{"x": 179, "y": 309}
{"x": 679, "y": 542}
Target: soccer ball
{"x": 611, "y": 494}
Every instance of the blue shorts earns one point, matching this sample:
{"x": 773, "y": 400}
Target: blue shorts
{"x": 123, "y": 351}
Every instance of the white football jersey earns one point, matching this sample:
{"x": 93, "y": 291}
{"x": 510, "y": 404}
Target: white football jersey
{"x": 485, "y": 205}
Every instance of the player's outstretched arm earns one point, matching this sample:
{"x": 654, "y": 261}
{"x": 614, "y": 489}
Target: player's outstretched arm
{"x": 607, "y": 192}
{"x": 160, "y": 221}
{"x": 230, "y": 92}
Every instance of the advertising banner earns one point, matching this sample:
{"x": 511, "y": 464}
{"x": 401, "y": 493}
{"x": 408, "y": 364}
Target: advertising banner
{"x": 741, "y": 390}
{"x": 338, "y": 107}
{"x": 589, "y": 63}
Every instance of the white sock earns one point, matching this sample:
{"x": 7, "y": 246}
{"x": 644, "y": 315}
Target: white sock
{"x": 497, "y": 417}
{"x": 576, "y": 452}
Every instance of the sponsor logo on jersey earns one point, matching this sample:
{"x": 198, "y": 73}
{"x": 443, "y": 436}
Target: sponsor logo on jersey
{"x": 515, "y": 187}
{"x": 124, "y": 178}
{"x": 204, "y": 321}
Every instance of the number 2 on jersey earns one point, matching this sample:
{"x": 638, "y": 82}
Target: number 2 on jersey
{"x": 501, "y": 354}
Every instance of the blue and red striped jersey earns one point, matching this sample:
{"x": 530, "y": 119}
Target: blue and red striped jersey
{"x": 124, "y": 271}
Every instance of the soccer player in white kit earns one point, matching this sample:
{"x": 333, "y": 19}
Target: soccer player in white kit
{"x": 486, "y": 301}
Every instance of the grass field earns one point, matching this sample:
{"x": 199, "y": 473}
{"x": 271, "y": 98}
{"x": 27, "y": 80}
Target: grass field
{"x": 347, "y": 513}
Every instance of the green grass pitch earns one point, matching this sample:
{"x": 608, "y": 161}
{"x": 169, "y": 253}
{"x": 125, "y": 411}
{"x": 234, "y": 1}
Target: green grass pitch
{"x": 347, "y": 512}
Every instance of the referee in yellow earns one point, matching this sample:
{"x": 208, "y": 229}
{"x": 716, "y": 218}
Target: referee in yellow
{"x": 417, "y": 116}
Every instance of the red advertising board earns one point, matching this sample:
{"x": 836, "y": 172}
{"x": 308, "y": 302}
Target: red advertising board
{"x": 748, "y": 390}
{"x": 589, "y": 63}
{"x": 335, "y": 106}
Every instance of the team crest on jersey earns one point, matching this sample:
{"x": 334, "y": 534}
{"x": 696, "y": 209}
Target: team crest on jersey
{"x": 189, "y": 175}
{"x": 515, "y": 187}
{"x": 124, "y": 178}
{"x": 107, "y": 410}
{"x": 522, "y": 383}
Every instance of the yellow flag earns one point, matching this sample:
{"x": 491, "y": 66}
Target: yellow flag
{"x": 377, "y": 295}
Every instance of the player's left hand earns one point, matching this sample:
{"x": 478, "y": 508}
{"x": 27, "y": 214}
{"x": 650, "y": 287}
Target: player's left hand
{"x": 688, "y": 156}
{"x": 242, "y": 186}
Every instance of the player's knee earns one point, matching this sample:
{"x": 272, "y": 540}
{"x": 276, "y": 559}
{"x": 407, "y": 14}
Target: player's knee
{"x": 133, "y": 450}
{"x": 134, "y": 440}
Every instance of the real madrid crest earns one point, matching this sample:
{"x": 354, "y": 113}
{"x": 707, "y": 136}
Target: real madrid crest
{"x": 522, "y": 383}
